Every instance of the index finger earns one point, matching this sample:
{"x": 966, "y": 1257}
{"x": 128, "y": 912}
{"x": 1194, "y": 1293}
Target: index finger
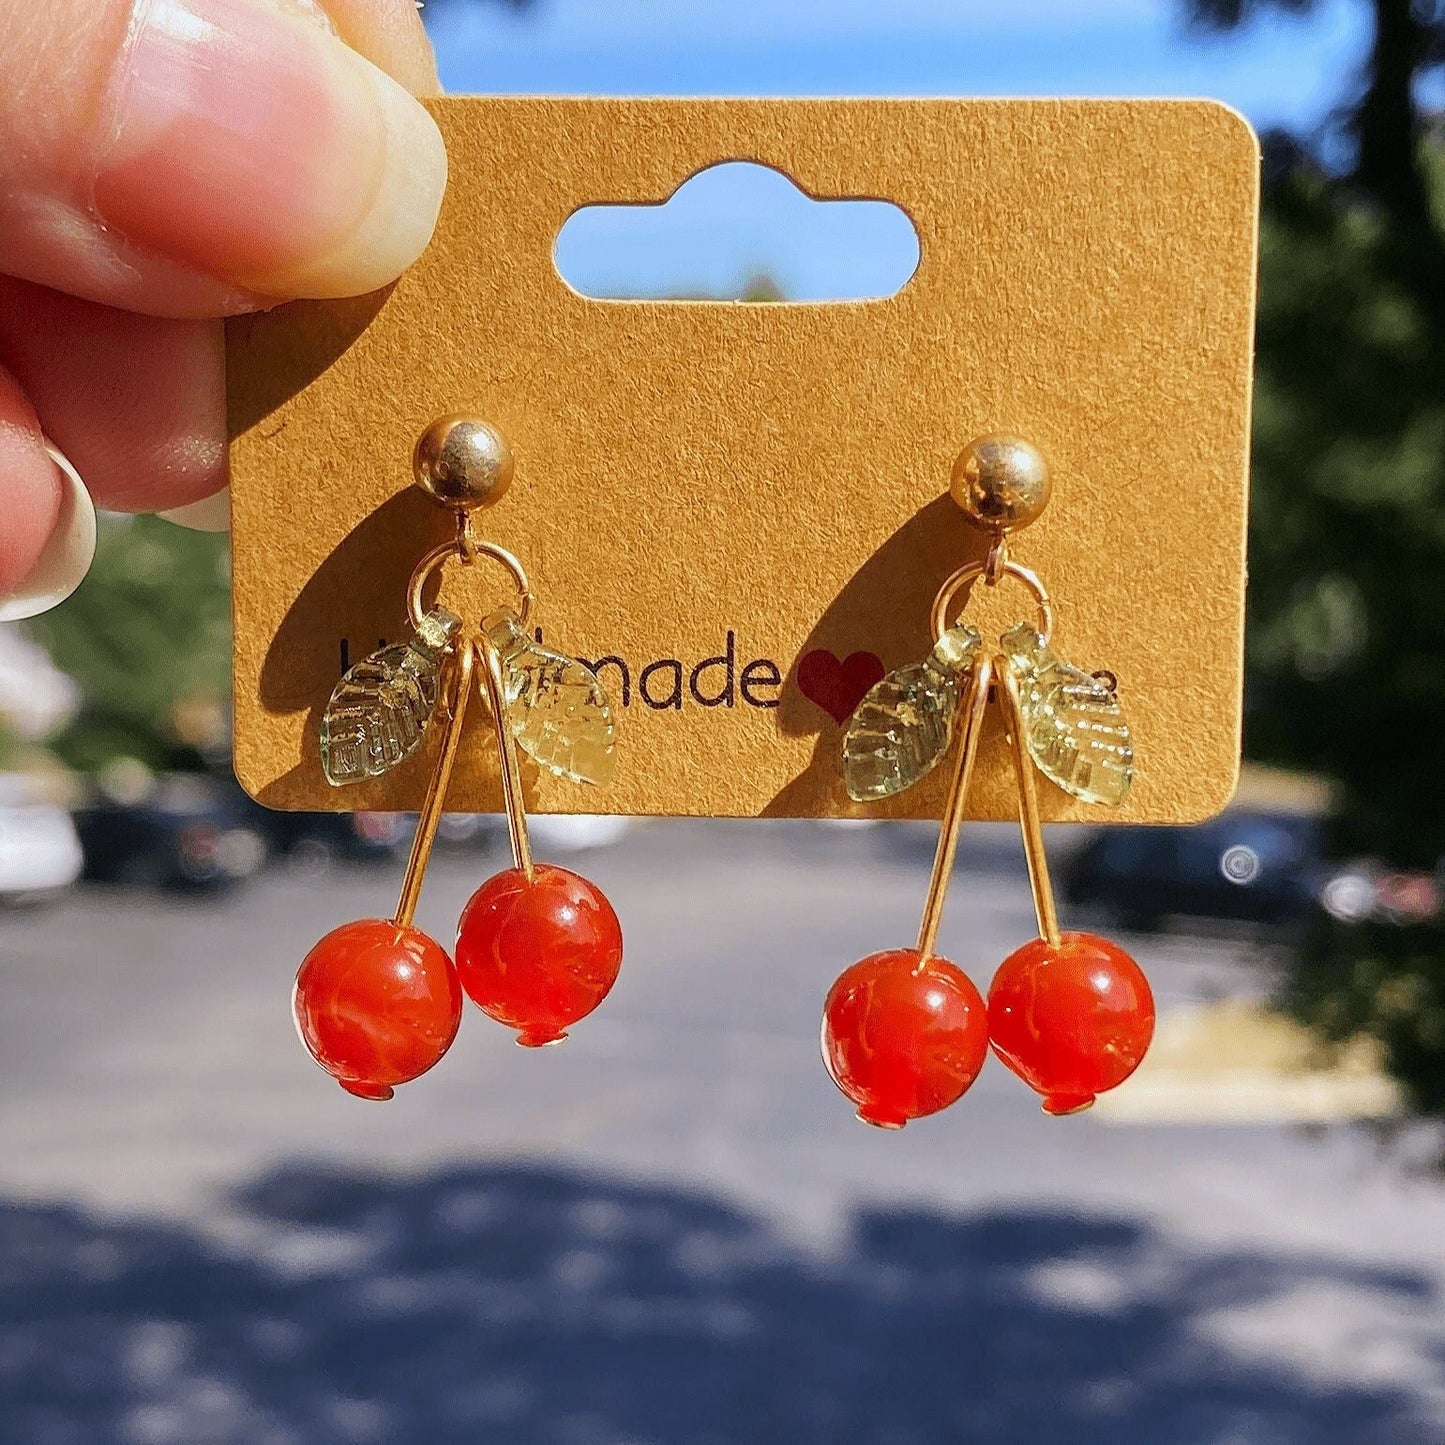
{"x": 201, "y": 157}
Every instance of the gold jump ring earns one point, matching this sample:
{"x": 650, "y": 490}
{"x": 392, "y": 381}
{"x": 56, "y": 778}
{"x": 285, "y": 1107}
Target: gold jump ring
{"x": 970, "y": 572}
{"x": 438, "y": 555}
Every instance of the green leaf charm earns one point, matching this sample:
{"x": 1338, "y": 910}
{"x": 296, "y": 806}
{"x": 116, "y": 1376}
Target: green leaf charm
{"x": 380, "y": 709}
{"x": 904, "y": 724}
{"x": 556, "y": 707}
{"x": 1074, "y": 728}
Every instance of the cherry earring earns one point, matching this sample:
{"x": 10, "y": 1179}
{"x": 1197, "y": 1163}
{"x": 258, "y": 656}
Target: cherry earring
{"x": 905, "y": 1033}
{"x": 378, "y": 1002}
{"x": 538, "y": 946}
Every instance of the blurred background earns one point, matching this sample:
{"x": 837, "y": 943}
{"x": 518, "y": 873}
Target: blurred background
{"x": 672, "y": 1230}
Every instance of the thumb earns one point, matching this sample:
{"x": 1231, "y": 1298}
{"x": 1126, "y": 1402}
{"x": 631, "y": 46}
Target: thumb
{"x": 198, "y": 157}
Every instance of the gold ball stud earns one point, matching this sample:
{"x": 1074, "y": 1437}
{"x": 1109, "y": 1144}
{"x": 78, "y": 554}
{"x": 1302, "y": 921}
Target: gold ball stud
{"x": 462, "y": 462}
{"x": 1001, "y": 483}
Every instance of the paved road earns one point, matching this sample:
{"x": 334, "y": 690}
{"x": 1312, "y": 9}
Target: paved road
{"x": 669, "y": 1231}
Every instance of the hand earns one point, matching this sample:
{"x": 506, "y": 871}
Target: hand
{"x": 165, "y": 163}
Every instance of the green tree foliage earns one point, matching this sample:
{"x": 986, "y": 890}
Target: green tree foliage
{"x": 1347, "y": 547}
{"x": 149, "y": 629}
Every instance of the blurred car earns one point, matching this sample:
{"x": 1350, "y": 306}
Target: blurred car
{"x": 314, "y": 842}
{"x": 1364, "y": 890}
{"x": 1258, "y": 868}
{"x": 40, "y": 853}
{"x": 179, "y": 830}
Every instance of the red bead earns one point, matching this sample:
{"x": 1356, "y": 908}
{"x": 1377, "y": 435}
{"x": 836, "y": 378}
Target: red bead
{"x": 377, "y": 1004}
{"x": 903, "y": 1041}
{"x": 1071, "y": 1021}
{"x": 539, "y": 955}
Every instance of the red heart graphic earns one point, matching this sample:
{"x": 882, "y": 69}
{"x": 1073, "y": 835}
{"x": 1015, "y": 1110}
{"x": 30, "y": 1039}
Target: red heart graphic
{"x": 837, "y": 687}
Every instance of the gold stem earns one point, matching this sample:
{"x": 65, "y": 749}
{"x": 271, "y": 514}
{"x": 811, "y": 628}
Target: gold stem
{"x": 971, "y": 707}
{"x": 1029, "y": 823}
{"x": 456, "y": 687}
{"x": 507, "y": 752}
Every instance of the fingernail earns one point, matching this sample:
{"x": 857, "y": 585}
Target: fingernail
{"x": 210, "y": 514}
{"x": 249, "y": 142}
{"x": 67, "y": 555}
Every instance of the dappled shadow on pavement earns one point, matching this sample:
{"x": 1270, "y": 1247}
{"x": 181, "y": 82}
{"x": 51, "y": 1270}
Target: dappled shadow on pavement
{"x": 522, "y": 1305}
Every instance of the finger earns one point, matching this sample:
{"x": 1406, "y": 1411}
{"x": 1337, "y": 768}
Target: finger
{"x": 29, "y": 486}
{"x": 193, "y": 157}
{"x": 48, "y": 540}
{"x": 210, "y": 514}
{"x": 390, "y": 36}
{"x": 137, "y": 403}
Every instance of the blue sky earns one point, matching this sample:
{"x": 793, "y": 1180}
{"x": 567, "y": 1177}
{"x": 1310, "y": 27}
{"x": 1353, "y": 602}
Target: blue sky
{"x": 1279, "y": 71}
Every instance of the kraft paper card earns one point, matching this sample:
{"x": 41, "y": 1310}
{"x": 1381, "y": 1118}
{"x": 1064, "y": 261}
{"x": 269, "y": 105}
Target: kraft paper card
{"x": 739, "y": 512}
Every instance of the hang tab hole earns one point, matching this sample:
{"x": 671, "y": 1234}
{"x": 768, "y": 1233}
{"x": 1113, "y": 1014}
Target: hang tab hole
{"x": 739, "y": 232}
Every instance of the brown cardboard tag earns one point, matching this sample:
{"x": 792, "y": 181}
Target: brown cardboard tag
{"x": 740, "y": 511}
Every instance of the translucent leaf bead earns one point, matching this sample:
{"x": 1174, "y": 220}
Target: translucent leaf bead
{"x": 376, "y": 1005}
{"x": 1075, "y": 730}
{"x": 901, "y": 1041}
{"x": 1071, "y": 1021}
{"x": 380, "y": 709}
{"x": 538, "y": 955}
{"x": 556, "y": 707}
{"x": 905, "y": 722}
